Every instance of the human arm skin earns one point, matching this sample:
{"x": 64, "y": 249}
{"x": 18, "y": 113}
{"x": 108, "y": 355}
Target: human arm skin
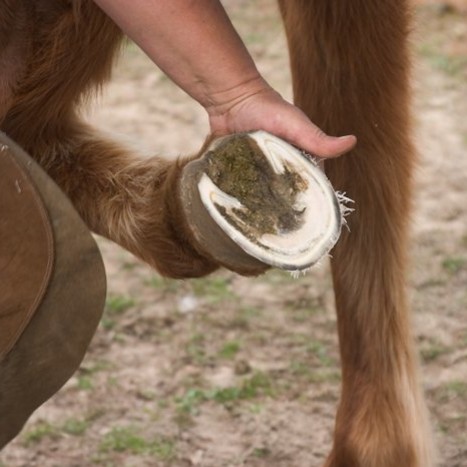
{"x": 195, "y": 44}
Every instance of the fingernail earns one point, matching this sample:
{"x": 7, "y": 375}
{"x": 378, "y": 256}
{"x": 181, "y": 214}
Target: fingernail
{"x": 349, "y": 138}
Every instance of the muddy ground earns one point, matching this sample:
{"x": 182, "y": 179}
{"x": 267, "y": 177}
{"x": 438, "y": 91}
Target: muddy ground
{"x": 227, "y": 371}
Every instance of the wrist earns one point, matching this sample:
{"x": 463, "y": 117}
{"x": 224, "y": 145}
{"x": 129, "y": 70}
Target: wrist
{"x": 222, "y": 101}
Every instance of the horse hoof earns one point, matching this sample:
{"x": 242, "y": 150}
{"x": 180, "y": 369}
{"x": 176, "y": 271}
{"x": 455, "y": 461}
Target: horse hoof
{"x": 253, "y": 201}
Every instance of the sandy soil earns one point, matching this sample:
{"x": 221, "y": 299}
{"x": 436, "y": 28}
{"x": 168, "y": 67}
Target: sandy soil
{"x": 226, "y": 371}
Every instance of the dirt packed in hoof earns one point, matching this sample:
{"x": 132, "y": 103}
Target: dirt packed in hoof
{"x": 228, "y": 371}
{"x": 239, "y": 168}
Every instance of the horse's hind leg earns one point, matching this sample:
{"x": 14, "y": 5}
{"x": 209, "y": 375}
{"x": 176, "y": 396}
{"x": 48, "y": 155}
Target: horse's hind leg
{"x": 350, "y": 73}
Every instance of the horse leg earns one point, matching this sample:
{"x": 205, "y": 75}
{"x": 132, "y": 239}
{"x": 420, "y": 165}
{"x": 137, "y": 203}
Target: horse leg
{"x": 133, "y": 200}
{"x": 350, "y": 70}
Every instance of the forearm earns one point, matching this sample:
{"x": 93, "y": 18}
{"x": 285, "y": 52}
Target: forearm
{"x": 194, "y": 42}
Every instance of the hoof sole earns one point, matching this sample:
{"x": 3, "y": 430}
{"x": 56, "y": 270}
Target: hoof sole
{"x": 255, "y": 201}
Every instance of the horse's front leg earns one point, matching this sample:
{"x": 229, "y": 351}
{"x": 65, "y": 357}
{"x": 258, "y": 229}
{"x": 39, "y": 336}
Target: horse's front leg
{"x": 142, "y": 203}
{"x": 350, "y": 71}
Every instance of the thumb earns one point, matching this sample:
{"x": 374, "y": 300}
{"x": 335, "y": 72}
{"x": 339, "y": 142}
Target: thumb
{"x": 320, "y": 144}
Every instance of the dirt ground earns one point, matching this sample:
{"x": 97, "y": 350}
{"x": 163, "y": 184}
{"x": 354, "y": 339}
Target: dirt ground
{"x": 227, "y": 371}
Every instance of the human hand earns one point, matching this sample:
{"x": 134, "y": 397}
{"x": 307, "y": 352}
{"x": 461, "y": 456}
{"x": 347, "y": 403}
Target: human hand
{"x": 259, "y": 107}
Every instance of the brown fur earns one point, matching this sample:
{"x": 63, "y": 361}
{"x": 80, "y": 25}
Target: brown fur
{"x": 69, "y": 54}
{"x": 350, "y": 68}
